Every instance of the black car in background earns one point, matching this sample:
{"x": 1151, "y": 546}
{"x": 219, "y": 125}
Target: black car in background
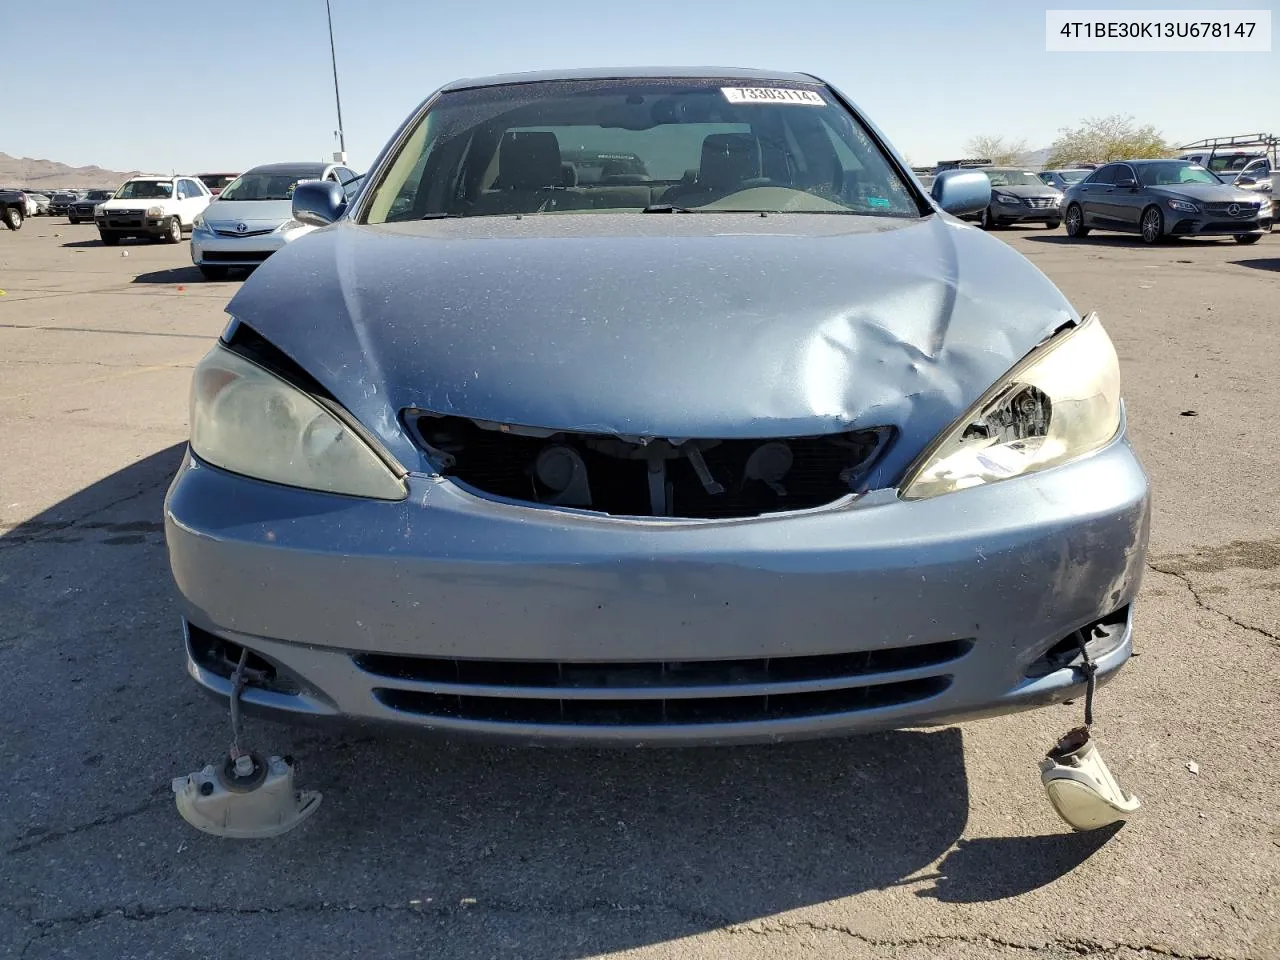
{"x": 13, "y": 208}
{"x": 61, "y": 201}
{"x": 1165, "y": 198}
{"x": 82, "y": 210}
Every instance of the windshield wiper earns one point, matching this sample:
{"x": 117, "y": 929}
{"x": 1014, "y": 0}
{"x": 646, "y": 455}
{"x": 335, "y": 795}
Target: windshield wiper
{"x": 665, "y": 208}
{"x": 439, "y": 215}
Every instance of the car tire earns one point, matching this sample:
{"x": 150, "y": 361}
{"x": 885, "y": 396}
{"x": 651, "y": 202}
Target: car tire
{"x": 1075, "y": 221}
{"x": 214, "y": 273}
{"x": 1054, "y": 224}
{"x": 109, "y": 239}
{"x": 985, "y": 220}
{"x": 13, "y": 218}
{"x": 173, "y": 232}
{"x": 1248, "y": 237}
{"x": 1152, "y": 225}
{"x": 72, "y": 219}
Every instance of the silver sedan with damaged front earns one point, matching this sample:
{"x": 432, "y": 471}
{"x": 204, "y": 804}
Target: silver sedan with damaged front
{"x": 654, "y": 407}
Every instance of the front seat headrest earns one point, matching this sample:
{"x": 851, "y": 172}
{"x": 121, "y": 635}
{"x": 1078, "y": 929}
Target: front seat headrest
{"x": 530, "y": 161}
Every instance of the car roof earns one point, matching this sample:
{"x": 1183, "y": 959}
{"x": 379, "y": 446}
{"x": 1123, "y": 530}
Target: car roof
{"x": 632, "y": 73}
{"x": 302, "y": 166}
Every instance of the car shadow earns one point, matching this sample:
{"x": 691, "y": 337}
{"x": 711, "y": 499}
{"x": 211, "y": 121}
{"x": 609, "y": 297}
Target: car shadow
{"x": 1128, "y": 240}
{"x": 587, "y": 851}
{"x": 171, "y": 275}
{"x": 1264, "y": 263}
{"x": 83, "y": 243}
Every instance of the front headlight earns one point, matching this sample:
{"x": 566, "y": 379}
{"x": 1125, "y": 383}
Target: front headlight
{"x": 1186, "y": 206}
{"x": 199, "y": 223}
{"x": 249, "y": 421}
{"x": 1008, "y": 198}
{"x": 155, "y": 211}
{"x": 1060, "y": 402}
{"x": 99, "y": 210}
{"x": 290, "y": 225}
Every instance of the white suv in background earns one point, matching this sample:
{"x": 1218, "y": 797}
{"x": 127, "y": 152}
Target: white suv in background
{"x": 152, "y": 206}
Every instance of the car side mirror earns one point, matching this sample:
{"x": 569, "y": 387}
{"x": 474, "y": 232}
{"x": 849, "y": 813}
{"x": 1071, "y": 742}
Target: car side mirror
{"x": 1245, "y": 180}
{"x": 318, "y": 202}
{"x": 1126, "y": 184}
{"x": 961, "y": 192}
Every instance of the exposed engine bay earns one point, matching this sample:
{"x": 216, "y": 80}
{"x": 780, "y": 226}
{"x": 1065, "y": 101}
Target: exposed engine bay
{"x": 649, "y": 476}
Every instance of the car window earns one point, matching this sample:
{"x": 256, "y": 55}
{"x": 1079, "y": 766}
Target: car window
{"x": 1165, "y": 173}
{"x": 622, "y": 145}
{"x": 184, "y": 190}
{"x": 1011, "y": 178}
{"x": 1125, "y": 172}
{"x": 146, "y": 190}
{"x": 266, "y": 185}
{"x": 1104, "y": 175}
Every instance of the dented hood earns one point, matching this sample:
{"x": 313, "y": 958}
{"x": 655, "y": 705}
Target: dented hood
{"x": 665, "y": 325}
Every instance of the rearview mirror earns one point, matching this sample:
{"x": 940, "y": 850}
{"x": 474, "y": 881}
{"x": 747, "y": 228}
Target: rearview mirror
{"x": 1126, "y": 184}
{"x": 961, "y": 192}
{"x": 1245, "y": 180}
{"x": 318, "y": 202}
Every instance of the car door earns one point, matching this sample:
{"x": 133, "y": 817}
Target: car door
{"x": 1093, "y": 196}
{"x": 1126, "y": 199}
{"x": 198, "y": 198}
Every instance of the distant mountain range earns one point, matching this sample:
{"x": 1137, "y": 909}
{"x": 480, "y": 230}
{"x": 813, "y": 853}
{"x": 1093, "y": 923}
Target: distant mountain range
{"x": 1035, "y": 159}
{"x": 51, "y": 175}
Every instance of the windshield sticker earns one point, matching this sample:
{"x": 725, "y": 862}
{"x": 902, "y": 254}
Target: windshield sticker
{"x": 773, "y": 95}
{"x": 879, "y": 202}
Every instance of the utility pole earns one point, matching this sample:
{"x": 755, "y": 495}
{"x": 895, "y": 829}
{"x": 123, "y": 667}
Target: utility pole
{"x": 341, "y": 156}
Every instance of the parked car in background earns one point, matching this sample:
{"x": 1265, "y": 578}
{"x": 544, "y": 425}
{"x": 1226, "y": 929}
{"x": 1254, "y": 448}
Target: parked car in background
{"x": 60, "y": 202}
{"x": 13, "y": 208}
{"x": 1251, "y": 161}
{"x": 81, "y": 209}
{"x": 1061, "y": 179}
{"x": 1165, "y": 198}
{"x": 216, "y": 182}
{"x": 1019, "y": 196}
{"x": 653, "y": 477}
{"x": 154, "y": 206}
{"x": 40, "y": 202}
{"x": 253, "y": 217}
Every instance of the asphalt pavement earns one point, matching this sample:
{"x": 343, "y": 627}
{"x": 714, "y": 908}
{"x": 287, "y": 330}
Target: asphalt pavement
{"x": 914, "y": 844}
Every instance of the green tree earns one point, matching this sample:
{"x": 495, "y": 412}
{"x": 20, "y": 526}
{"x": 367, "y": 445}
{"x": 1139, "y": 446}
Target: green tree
{"x": 1102, "y": 139}
{"x": 998, "y": 150}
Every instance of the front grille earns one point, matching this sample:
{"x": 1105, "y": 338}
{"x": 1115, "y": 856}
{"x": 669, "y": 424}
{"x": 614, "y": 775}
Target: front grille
{"x": 247, "y": 233}
{"x": 648, "y": 693}
{"x": 1234, "y": 226}
{"x": 235, "y": 256}
{"x": 1043, "y": 203}
{"x": 1247, "y": 210}
{"x": 660, "y": 478}
{"x": 116, "y": 222}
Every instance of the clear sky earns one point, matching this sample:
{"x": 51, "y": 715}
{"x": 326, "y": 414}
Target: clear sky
{"x": 225, "y": 84}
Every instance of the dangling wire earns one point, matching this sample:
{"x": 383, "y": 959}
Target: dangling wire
{"x": 1090, "y": 673}
{"x": 237, "y": 685}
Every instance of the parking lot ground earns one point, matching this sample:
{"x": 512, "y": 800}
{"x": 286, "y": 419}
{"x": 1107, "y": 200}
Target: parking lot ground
{"x": 914, "y": 844}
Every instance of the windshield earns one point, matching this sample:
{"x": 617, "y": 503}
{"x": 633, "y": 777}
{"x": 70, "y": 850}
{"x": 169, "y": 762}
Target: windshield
{"x": 1230, "y": 163}
{"x": 267, "y": 186}
{"x": 1073, "y": 176}
{"x": 1168, "y": 172}
{"x": 145, "y": 190}
{"x": 99, "y": 195}
{"x": 628, "y": 145}
{"x": 1013, "y": 178}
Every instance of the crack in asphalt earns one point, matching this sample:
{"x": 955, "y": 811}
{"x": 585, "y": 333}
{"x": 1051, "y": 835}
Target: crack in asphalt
{"x": 106, "y": 820}
{"x": 1084, "y": 947}
{"x": 8, "y": 537}
{"x": 1204, "y": 605}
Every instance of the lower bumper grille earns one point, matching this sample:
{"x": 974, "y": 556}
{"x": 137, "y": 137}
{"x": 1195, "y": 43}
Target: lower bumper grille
{"x": 641, "y": 713}
{"x": 644, "y": 693}
{"x": 235, "y": 256}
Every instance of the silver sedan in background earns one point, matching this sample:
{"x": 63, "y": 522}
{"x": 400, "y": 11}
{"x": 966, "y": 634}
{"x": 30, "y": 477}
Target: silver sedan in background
{"x": 252, "y": 217}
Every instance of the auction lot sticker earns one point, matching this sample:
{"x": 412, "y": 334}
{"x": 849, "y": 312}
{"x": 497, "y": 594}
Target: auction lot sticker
{"x": 773, "y": 95}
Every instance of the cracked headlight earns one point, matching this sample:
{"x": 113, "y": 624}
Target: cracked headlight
{"x": 1058, "y": 403}
{"x": 247, "y": 420}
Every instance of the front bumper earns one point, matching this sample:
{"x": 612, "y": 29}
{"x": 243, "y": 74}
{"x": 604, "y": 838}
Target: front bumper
{"x": 459, "y": 614}
{"x": 212, "y": 249}
{"x": 1023, "y": 213}
{"x": 1208, "y": 225}
{"x": 139, "y": 225}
